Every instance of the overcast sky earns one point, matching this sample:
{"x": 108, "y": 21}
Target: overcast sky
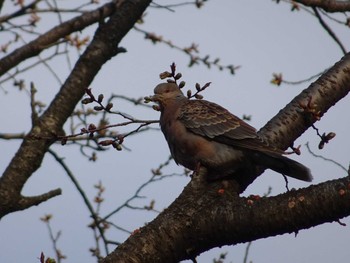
{"x": 263, "y": 38}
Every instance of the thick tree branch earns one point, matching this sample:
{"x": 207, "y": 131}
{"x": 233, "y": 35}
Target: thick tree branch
{"x": 46, "y": 40}
{"x": 203, "y": 217}
{"x": 310, "y": 105}
{"x": 30, "y": 154}
{"x": 210, "y": 215}
{"x": 327, "y": 5}
{"x": 305, "y": 109}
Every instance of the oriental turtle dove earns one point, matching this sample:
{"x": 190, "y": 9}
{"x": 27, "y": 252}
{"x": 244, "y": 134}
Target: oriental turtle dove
{"x": 201, "y": 133}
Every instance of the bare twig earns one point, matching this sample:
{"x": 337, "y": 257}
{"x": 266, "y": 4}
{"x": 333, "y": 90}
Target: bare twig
{"x": 329, "y": 30}
{"x": 93, "y": 214}
{"x": 324, "y": 158}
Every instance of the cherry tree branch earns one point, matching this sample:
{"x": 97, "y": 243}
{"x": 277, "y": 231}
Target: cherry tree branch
{"x": 327, "y": 5}
{"x": 47, "y": 39}
{"x": 208, "y": 215}
{"x": 31, "y": 152}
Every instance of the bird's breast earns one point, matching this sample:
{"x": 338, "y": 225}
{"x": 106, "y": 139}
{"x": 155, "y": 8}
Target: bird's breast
{"x": 189, "y": 149}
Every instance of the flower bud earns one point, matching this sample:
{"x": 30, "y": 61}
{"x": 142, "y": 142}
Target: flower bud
{"x": 100, "y": 98}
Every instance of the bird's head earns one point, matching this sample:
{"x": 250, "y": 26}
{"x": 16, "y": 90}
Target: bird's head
{"x": 165, "y": 92}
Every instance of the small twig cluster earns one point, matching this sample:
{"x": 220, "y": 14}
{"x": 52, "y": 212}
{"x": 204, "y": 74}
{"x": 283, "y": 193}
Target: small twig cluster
{"x": 191, "y": 51}
{"x": 278, "y": 80}
{"x": 96, "y": 132}
{"x": 325, "y": 138}
{"x": 54, "y": 239}
{"x": 173, "y": 77}
{"x": 99, "y": 100}
{"x": 99, "y": 227}
{"x": 310, "y": 108}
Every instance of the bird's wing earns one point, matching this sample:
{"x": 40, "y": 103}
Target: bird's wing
{"x": 216, "y": 123}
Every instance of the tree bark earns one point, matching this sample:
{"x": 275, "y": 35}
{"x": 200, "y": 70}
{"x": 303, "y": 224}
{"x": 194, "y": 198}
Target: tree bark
{"x": 330, "y": 6}
{"x": 203, "y": 217}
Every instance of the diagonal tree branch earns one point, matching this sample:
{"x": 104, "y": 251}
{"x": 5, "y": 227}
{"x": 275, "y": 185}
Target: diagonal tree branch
{"x": 46, "y": 40}
{"x": 203, "y": 218}
{"x": 30, "y": 154}
{"x": 306, "y": 108}
{"x": 327, "y": 5}
{"x": 210, "y": 215}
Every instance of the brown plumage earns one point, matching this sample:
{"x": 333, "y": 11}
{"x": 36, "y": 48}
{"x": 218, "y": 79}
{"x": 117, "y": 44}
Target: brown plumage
{"x": 203, "y": 133}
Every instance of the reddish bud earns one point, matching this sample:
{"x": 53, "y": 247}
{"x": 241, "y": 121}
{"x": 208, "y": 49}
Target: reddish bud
{"x": 178, "y": 76}
{"x": 91, "y": 127}
{"x": 182, "y": 84}
{"x": 86, "y": 101}
{"x": 165, "y": 75}
{"x": 173, "y": 68}
{"x": 221, "y": 191}
{"x": 106, "y": 142}
{"x": 330, "y": 136}
{"x": 109, "y": 106}
{"x": 136, "y": 231}
{"x": 100, "y": 98}
{"x": 98, "y": 108}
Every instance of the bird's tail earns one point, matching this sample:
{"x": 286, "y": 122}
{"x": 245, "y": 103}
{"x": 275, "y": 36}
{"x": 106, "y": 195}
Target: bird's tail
{"x": 283, "y": 165}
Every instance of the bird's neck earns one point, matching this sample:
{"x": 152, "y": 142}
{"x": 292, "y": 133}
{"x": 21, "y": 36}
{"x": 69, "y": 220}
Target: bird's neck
{"x": 171, "y": 106}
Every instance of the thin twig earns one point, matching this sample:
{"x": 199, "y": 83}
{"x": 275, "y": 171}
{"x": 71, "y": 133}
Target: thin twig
{"x": 329, "y": 30}
{"x": 83, "y": 195}
{"x": 324, "y": 158}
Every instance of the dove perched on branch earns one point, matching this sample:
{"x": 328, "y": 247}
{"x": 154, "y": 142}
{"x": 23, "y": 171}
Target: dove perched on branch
{"x": 203, "y": 134}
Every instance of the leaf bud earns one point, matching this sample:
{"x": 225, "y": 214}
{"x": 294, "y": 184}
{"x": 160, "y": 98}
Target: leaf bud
{"x": 100, "y": 98}
{"x": 98, "y": 108}
{"x": 198, "y": 96}
{"x": 91, "y": 127}
{"x": 109, "y": 106}
{"x": 178, "y": 76}
{"x": 182, "y": 84}
{"x": 86, "y": 101}
{"x": 165, "y": 75}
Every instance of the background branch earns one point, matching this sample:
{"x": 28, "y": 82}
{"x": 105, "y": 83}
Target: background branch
{"x": 30, "y": 154}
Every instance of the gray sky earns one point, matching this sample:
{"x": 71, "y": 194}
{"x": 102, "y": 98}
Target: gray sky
{"x": 263, "y": 38}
